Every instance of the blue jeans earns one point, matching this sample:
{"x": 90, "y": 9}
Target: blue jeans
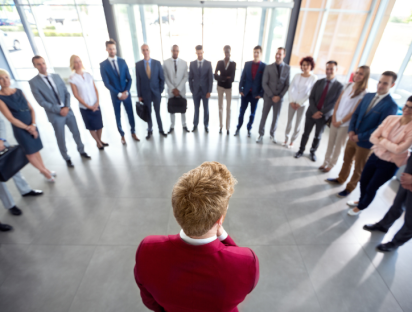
{"x": 156, "y": 105}
{"x": 129, "y": 110}
{"x": 249, "y": 98}
{"x": 196, "y": 100}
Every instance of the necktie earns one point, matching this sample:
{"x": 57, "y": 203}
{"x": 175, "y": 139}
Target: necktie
{"x": 115, "y": 68}
{"x": 175, "y": 67}
{"x": 54, "y": 91}
{"x": 323, "y": 96}
{"x": 200, "y": 67}
{"x": 372, "y": 104}
{"x": 148, "y": 72}
{"x": 278, "y": 67}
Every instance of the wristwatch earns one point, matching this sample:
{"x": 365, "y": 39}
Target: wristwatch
{"x": 34, "y": 125}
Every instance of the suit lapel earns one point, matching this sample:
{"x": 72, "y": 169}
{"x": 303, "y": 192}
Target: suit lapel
{"x": 48, "y": 89}
{"x": 110, "y": 65}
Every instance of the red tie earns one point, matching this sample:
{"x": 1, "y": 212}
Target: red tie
{"x": 323, "y": 96}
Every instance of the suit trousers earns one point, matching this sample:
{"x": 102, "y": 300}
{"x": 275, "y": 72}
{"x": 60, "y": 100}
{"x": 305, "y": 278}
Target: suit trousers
{"x": 300, "y": 112}
{"x": 21, "y": 185}
{"x": 337, "y": 141}
{"x": 156, "y": 106}
{"x": 59, "y": 129}
{"x": 249, "y": 98}
{"x": 309, "y": 124}
{"x": 375, "y": 174}
{"x": 196, "y": 100}
{"x": 173, "y": 118}
{"x": 403, "y": 201}
{"x": 267, "y": 105}
{"x": 360, "y": 155}
{"x": 127, "y": 103}
{"x": 220, "y": 92}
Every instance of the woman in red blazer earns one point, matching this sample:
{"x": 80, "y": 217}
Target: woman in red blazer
{"x": 201, "y": 268}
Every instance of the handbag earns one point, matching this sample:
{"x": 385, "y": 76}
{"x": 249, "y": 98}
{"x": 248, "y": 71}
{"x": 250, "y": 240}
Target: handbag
{"x": 12, "y": 160}
{"x": 177, "y": 105}
{"x": 141, "y": 111}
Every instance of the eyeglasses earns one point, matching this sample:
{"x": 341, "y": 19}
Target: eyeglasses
{"x": 407, "y": 107}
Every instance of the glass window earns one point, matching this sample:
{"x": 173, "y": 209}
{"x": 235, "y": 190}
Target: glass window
{"x": 404, "y": 89}
{"x": 363, "y": 5}
{"x": 251, "y": 39}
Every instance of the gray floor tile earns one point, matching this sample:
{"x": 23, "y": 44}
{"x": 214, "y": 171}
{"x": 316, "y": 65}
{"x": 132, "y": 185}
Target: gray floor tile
{"x": 8, "y": 256}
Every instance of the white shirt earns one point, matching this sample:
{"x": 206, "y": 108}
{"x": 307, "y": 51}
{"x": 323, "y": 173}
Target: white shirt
{"x": 228, "y": 63}
{"x": 347, "y": 103}
{"x": 300, "y": 89}
{"x": 53, "y": 84}
{"x": 200, "y": 63}
{"x": 111, "y": 59}
{"x": 380, "y": 97}
{"x": 85, "y": 87}
{"x": 202, "y": 241}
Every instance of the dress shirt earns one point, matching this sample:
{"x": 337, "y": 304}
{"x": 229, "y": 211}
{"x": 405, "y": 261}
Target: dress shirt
{"x": 200, "y": 63}
{"x": 201, "y": 241}
{"x": 111, "y": 59}
{"x": 228, "y": 63}
{"x": 380, "y": 97}
{"x": 145, "y": 63}
{"x": 175, "y": 61}
{"x": 53, "y": 84}
{"x": 330, "y": 84}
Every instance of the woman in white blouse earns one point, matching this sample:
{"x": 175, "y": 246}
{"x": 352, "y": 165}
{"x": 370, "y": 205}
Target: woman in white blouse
{"x": 85, "y": 91}
{"x": 345, "y": 106}
{"x": 299, "y": 92}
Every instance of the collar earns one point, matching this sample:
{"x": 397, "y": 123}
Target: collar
{"x": 256, "y": 63}
{"x": 111, "y": 59}
{"x": 381, "y": 96}
{"x": 281, "y": 64}
{"x": 177, "y": 59}
{"x": 200, "y": 61}
{"x": 149, "y": 61}
{"x": 196, "y": 242}
{"x": 331, "y": 81}
{"x": 230, "y": 60}
{"x": 44, "y": 76}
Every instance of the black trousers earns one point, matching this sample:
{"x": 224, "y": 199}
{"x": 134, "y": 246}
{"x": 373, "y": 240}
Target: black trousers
{"x": 403, "y": 201}
{"x": 320, "y": 125}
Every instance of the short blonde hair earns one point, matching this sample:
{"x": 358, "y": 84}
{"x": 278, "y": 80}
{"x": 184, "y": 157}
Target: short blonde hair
{"x": 72, "y": 58}
{"x": 201, "y": 196}
{"x": 4, "y": 72}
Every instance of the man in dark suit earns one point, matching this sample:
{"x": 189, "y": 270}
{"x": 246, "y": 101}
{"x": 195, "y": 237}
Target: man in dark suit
{"x": 250, "y": 88}
{"x": 116, "y": 77}
{"x": 201, "y": 268}
{"x": 370, "y": 113}
{"x": 322, "y": 100}
{"x": 150, "y": 83}
{"x": 201, "y": 83}
{"x": 403, "y": 201}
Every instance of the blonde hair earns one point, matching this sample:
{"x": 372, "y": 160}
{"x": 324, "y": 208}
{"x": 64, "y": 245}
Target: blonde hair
{"x": 72, "y": 58}
{"x": 4, "y": 72}
{"x": 363, "y": 84}
{"x": 201, "y": 196}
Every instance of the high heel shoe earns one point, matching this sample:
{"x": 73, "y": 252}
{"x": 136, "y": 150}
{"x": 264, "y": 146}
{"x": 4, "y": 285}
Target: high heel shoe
{"x": 104, "y": 144}
{"x": 100, "y": 148}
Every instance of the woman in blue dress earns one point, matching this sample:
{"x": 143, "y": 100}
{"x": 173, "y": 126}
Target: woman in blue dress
{"x": 17, "y": 110}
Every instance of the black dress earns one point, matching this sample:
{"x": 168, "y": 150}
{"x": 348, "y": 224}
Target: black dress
{"x": 19, "y": 108}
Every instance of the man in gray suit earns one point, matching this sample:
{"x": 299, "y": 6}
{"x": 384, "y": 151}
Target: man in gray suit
{"x": 21, "y": 184}
{"x": 275, "y": 83}
{"x": 322, "y": 100}
{"x": 175, "y": 71}
{"x": 51, "y": 93}
{"x": 201, "y": 83}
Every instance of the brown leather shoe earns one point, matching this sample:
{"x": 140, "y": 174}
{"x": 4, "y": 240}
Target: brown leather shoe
{"x": 134, "y": 136}
{"x": 123, "y": 141}
{"x": 321, "y": 167}
{"x": 326, "y": 170}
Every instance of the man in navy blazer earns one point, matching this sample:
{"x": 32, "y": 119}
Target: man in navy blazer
{"x": 201, "y": 83}
{"x": 370, "y": 113}
{"x": 150, "y": 83}
{"x": 250, "y": 88}
{"x": 116, "y": 78}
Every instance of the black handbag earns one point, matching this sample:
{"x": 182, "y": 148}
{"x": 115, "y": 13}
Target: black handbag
{"x": 141, "y": 111}
{"x": 12, "y": 160}
{"x": 177, "y": 105}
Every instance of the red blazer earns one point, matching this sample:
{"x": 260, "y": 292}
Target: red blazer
{"x": 174, "y": 276}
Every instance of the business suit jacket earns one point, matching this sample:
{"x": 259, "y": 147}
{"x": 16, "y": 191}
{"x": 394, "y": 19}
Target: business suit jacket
{"x": 364, "y": 124}
{"x": 174, "y": 276}
{"x": 201, "y": 83}
{"x": 116, "y": 83}
{"x": 175, "y": 80}
{"x": 247, "y": 82}
{"x": 150, "y": 89}
{"x": 222, "y": 81}
{"x": 334, "y": 91}
{"x": 273, "y": 84}
{"x": 45, "y": 97}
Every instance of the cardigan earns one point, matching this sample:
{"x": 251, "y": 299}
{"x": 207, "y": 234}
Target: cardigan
{"x": 222, "y": 81}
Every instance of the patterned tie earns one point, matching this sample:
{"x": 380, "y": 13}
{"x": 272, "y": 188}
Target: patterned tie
{"x": 148, "y": 72}
{"x": 323, "y": 96}
{"x": 372, "y": 104}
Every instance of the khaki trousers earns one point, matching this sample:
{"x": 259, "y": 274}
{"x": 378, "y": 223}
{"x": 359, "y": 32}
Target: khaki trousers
{"x": 360, "y": 155}
{"x": 337, "y": 140}
{"x": 228, "y": 92}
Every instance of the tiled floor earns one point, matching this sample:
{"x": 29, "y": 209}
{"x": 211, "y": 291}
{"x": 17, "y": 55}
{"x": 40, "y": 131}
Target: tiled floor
{"x": 73, "y": 249}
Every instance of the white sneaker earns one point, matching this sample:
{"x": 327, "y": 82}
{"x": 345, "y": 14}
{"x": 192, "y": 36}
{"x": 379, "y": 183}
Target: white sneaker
{"x": 51, "y": 180}
{"x": 353, "y": 213}
{"x": 273, "y": 140}
{"x": 53, "y": 173}
{"x": 352, "y": 203}
{"x": 259, "y": 139}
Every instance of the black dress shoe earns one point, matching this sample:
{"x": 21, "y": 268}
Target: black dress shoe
{"x": 248, "y": 134}
{"x": 84, "y": 155}
{"x": 227, "y": 132}
{"x": 104, "y": 144}
{"x": 15, "y": 211}
{"x": 5, "y": 227}
{"x": 33, "y": 193}
{"x": 207, "y": 129}
{"x": 171, "y": 130}
{"x": 312, "y": 157}
{"x": 220, "y": 131}
{"x": 374, "y": 227}
{"x": 149, "y": 135}
{"x": 163, "y": 133}
{"x": 194, "y": 128}
{"x": 237, "y": 132}
{"x": 185, "y": 129}
{"x": 69, "y": 163}
{"x": 298, "y": 154}
{"x": 387, "y": 247}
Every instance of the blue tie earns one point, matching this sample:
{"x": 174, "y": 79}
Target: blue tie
{"x": 115, "y": 69}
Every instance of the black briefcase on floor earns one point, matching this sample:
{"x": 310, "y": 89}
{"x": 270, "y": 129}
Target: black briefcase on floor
{"x": 177, "y": 105}
{"x": 141, "y": 111}
{"x": 12, "y": 160}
